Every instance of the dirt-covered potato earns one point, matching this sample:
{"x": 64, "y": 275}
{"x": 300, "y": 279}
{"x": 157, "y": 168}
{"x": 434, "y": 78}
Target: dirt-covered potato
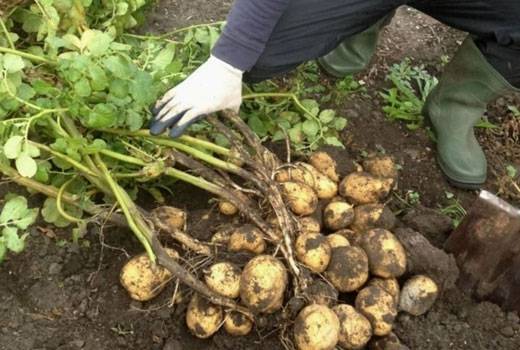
{"x": 386, "y": 255}
{"x": 247, "y": 238}
{"x": 381, "y": 166}
{"x": 313, "y": 250}
{"x": 305, "y": 173}
{"x": 363, "y": 188}
{"x": 308, "y": 224}
{"x": 389, "y": 342}
{"x": 263, "y": 283}
{"x": 354, "y": 238}
{"x": 418, "y": 295}
{"x": 348, "y": 268}
{"x": 222, "y": 236}
{"x": 169, "y": 218}
{"x": 336, "y": 240}
{"x": 300, "y": 197}
{"x": 390, "y": 285}
{"x": 202, "y": 317}
{"x": 338, "y": 215}
{"x": 324, "y": 163}
{"x": 142, "y": 279}
{"x": 378, "y": 307}
{"x": 316, "y": 328}
{"x": 224, "y": 279}
{"x": 369, "y": 216}
{"x": 237, "y": 324}
{"x": 227, "y": 208}
{"x": 354, "y": 329}
{"x": 320, "y": 292}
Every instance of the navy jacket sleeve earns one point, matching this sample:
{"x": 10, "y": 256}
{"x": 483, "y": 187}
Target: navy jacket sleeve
{"x": 248, "y": 28}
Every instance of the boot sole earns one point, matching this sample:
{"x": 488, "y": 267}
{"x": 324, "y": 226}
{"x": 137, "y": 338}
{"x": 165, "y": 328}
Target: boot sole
{"x": 459, "y": 184}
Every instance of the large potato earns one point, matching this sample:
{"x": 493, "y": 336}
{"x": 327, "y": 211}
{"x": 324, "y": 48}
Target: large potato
{"x": 363, "y": 188}
{"x": 247, "y": 238}
{"x": 237, "y": 324}
{"x": 316, "y": 328}
{"x": 354, "y": 329}
{"x": 320, "y": 292}
{"x": 338, "y": 215}
{"x": 381, "y": 166}
{"x": 348, "y": 268}
{"x": 308, "y": 224}
{"x": 325, "y": 164}
{"x": 144, "y": 280}
{"x": 263, "y": 283}
{"x": 386, "y": 255}
{"x": 418, "y": 295}
{"x": 202, "y": 317}
{"x": 305, "y": 173}
{"x": 224, "y": 279}
{"x": 301, "y": 197}
{"x": 313, "y": 250}
{"x": 378, "y": 307}
{"x": 169, "y": 218}
{"x": 336, "y": 240}
{"x": 369, "y": 216}
{"x": 389, "y": 285}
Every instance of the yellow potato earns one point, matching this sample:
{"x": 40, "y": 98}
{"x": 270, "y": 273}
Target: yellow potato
{"x": 348, "y": 268}
{"x": 237, "y": 324}
{"x": 335, "y": 240}
{"x": 418, "y": 295}
{"x": 169, "y": 218}
{"x": 354, "y": 329}
{"x": 313, "y": 250}
{"x": 320, "y": 292}
{"x": 338, "y": 215}
{"x": 203, "y": 318}
{"x": 389, "y": 342}
{"x": 353, "y": 237}
{"x": 224, "y": 279}
{"x": 263, "y": 283}
{"x": 221, "y": 236}
{"x": 389, "y": 285}
{"x": 324, "y": 163}
{"x": 247, "y": 238}
{"x": 386, "y": 255}
{"x": 308, "y": 224}
{"x": 369, "y": 216}
{"x": 381, "y": 166}
{"x": 305, "y": 173}
{"x": 378, "y": 307}
{"x": 227, "y": 208}
{"x": 300, "y": 197}
{"x": 144, "y": 280}
{"x": 363, "y": 188}
{"x": 316, "y": 328}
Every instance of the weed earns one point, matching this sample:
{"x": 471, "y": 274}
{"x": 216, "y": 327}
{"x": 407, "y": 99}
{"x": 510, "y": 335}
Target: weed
{"x": 453, "y": 209}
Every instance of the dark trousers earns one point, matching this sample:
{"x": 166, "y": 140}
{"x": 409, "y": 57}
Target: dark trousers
{"x": 312, "y": 28}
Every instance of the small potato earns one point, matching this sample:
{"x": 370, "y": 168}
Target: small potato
{"x": 203, "y": 318}
{"x": 363, "y": 188}
{"x": 389, "y": 285}
{"x": 247, "y": 238}
{"x": 263, "y": 283}
{"x": 144, "y": 280}
{"x": 227, "y": 208}
{"x": 338, "y": 215}
{"x": 335, "y": 241}
{"x": 324, "y": 163}
{"x": 354, "y": 329}
{"x": 169, "y": 218}
{"x": 224, "y": 279}
{"x": 386, "y": 255}
{"x": 389, "y": 342}
{"x": 313, "y": 250}
{"x": 418, "y": 295}
{"x": 237, "y": 324}
{"x": 222, "y": 236}
{"x": 300, "y": 197}
{"x": 305, "y": 173}
{"x": 320, "y": 292}
{"x": 316, "y": 328}
{"x": 369, "y": 216}
{"x": 378, "y": 307}
{"x": 381, "y": 166}
{"x": 308, "y": 224}
{"x": 348, "y": 268}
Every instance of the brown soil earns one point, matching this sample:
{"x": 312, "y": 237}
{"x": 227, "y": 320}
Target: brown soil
{"x": 69, "y": 297}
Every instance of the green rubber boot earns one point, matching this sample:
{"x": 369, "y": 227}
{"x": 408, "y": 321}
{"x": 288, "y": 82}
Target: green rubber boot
{"x": 354, "y": 54}
{"x": 456, "y": 104}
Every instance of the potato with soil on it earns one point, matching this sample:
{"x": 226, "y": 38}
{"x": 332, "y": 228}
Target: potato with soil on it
{"x": 202, "y": 317}
{"x": 390, "y": 285}
{"x": 418, "y": 295}
{"x": 320, "y": 292}
{"x": 336, "y": 240}
{"x": 386, "y": 255}
{"x": 363, "y": 188}
{"x": 300, "y": 197}
{"x": 144, "y": 280}
{"x": 263, "y": 283}
{"x": 224, "y": 279}
{"x": 354, "y": 238}
{"x": 169, "y": 218}
{"x": 325, "y": 164}
{"x": 247, "y": 238}
{"x": 381, "y": 166}
{"x": 370, "y": 216}
{"x": 308, "y": 224}
{"x": 338, "y": 215}
{"x": 227, "y": 208}
{"x": 305, "y": 173}
{"x": 313, "y": 250}
{"x": 316, "y": 328}
{"x": 389, "y": 342}
{"x": 354, "y": 329}
{"x": 237, "y": 324}
{"x": 378, "y": 307}
{"x": 348, "y": 268}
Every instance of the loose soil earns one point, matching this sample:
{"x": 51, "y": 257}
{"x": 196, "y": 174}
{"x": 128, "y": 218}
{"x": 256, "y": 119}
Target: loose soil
{"x": 59, "y": 295}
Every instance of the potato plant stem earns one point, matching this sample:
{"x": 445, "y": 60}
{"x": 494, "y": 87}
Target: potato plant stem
{"x": 27, "y": 55}
{"x": 65, "y": 158}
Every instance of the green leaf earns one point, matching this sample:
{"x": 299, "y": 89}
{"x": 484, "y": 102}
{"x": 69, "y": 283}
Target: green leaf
{"x": 13, "y": 210}
{"x": 13, "y": 147}
{"x": 13, "y": 63}
{"x": 311, "y": 106}
{"x": 102, "y": 116}
{"x": 82, "y": 88}
{"x": 42, "y": 174}
{"x": 118, "y": 66}
{"x": 327, "y": 115}
{"x": 52, "y": 216}
{"x": 257, "y": 125}
{"x": 12, "y": 241}
{"x": 3, "y": 249}
{"x": 142, "y": 88}
{"x": 26, "y": 166}
{"x": 340, "y": 123}
{"x": 333, "y": 141}
{"x": 134, "y": 120}
{"x": 164, "y": 58}
{"x": 310, "y": 128}
{"x": 28, "y": 219}
{"x": 119, "y": 88}
{"x": 99, "y": 80}
{"x": 31, "y": 150}
{"x": 96, "y": 42}
{"x": 295, "y": 134}
{"x": 511, "y": 171}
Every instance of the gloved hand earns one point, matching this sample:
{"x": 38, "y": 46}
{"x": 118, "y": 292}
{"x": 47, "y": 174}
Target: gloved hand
{"x": 213, "y": 87}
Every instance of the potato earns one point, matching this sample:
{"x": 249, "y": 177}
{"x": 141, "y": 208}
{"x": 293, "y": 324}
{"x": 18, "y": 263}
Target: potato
{"x": 227, "y": 208}
{"x": 313, "y": 250}
{"x": 305, "y": 173}
{"x": 369, "y": 216}
{"x": 300, "y": 197}
{"x": 389, "y": 342}
{"x": 247, "y": 238}
{"x": 338, "y": 215}
{"x": 324, "y": 163}
{"x": 335, "y": 240}
{"x": 381, "y": 166}
{"x": 202, "y": 317}
{"x": 389, "y": 285}
{"x": 363, "y": 188}
{"x": 378, "y": 307}
{"x": 316, "y": 328}
{"x": 263, "y": 283}
{"x": 222, "y": 236}
{"x": 348, "y": 268}
{"x": 418, "y": 295}
{"x": 237, "y": 324}
{"x": 354, "y": 329}
{"x": 353, "y": 237}
{"x": 320, "y": 292}
{"x": 386, "y": 255}
{"x": 144, "y": 280}
{"x": 169, "y": 218}
{"x": 308, "y": 224}
{"x": 224, "y": 279}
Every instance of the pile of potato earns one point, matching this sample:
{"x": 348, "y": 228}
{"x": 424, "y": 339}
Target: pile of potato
{"x": 344, "y": 243}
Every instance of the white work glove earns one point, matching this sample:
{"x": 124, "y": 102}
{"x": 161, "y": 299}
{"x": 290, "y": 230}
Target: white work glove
{"x": 213, "y": 87}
